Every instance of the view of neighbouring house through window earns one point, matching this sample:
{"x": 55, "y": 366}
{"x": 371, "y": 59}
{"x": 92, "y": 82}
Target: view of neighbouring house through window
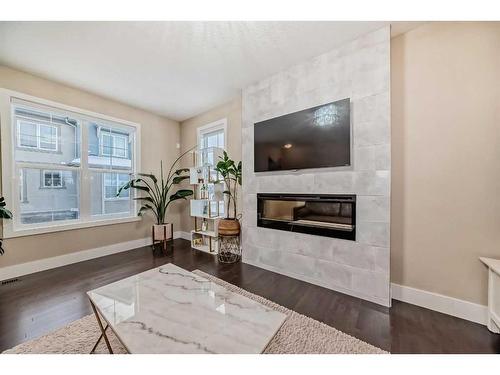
{"x": 37, "y": 135}
{"x": 52, "y": 179}
{"x": 51, "y": 170}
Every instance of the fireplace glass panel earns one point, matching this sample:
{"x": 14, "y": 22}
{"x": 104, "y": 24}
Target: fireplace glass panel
{"x": 280, "y": 210}
{"x": 324, "y": 215}
{"x": 302, "y": 212}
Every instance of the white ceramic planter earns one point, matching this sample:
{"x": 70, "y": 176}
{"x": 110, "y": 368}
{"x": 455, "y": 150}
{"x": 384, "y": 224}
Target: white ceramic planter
{"x": 162, "y": 233}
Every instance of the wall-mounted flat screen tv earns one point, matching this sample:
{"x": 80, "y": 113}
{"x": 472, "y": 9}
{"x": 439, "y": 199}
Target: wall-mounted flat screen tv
{"x": 317, "y": 137}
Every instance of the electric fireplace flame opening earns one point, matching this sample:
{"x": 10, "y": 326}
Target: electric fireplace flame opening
{"x": 324, "y": 214}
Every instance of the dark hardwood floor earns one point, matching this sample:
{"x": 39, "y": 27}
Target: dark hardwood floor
{"x": 42, "y": 302}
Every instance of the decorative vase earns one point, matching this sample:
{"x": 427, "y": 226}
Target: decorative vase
{"x": 228, "y": 227}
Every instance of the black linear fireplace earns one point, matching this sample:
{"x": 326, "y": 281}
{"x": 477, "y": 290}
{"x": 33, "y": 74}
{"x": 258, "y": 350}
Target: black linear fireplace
{"x": 328, "y": 215}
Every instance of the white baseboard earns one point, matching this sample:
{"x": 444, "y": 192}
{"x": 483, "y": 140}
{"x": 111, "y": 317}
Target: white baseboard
{"x": 441, "y": 303}
{"x": 27, "y": 268}
{"x": 183, "y": 235}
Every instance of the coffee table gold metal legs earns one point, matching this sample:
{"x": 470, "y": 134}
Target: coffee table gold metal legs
{"x": 103, "y": 331}
{"x": 98, "y": 340}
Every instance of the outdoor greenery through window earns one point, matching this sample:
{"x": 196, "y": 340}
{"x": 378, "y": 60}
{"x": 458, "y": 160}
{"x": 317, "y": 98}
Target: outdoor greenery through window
{"x": 70, "y": 166}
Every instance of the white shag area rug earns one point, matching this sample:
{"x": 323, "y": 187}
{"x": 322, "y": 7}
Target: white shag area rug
{"x": 298, "y": 335}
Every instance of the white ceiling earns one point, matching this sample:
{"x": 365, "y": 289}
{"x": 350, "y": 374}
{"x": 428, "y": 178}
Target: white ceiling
{"x": 175, "y": 69}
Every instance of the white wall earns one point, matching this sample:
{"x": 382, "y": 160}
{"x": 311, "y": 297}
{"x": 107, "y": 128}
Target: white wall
{"x": 359, "y": 70}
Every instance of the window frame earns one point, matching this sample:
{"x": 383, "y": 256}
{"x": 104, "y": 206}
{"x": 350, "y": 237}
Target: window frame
{"x": 216, "y": 126}
{"x": 10, "y": 169}
{"x": 38, "y": 146}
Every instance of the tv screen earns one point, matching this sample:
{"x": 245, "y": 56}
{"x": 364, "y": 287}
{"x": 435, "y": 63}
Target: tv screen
{"x": 317, "y": 137}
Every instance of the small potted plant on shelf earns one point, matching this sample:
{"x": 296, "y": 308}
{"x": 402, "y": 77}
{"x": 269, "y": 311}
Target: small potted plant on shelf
{"x": 231, "y": 175}
{"x": 4, "y": 214}
{"x": 159, "y": 196}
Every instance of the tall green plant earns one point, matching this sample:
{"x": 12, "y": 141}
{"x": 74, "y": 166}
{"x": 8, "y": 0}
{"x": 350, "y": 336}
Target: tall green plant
{"x": 231, "y": 175}
{"x": 4, "y": 214}
{"x": 159, "y": 190}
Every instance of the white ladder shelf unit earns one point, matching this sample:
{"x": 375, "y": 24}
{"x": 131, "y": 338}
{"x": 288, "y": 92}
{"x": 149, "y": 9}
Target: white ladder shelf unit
{"x": 207, "y": 205}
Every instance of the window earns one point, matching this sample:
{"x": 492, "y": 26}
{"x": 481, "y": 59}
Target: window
{"x": 37, "y": 136}
{"x": 64, "y": 185}
{"x": 47, "y": 137}
{"x": 112, "y": 183}
{"x": 114, "y": 144}
{"x": 213, "y": 138}
{"x": 212, "y": 135}
{"x": 28, "y": 134}
{"x": 52, "y": 179}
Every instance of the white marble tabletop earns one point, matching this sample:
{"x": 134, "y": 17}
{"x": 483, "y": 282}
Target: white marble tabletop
{"x": 170, "y": 310}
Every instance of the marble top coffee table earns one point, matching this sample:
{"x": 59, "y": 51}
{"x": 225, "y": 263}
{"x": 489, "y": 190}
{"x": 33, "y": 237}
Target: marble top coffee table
{"x": 170, "y": 310}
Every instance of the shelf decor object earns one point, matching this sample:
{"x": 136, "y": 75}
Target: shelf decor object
{"x": 207, "y": 205}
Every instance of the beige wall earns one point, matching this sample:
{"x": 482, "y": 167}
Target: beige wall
{"x": 160, "y": 134}
{"x": 446, "y": 157}
{"x": 230, "y": 111}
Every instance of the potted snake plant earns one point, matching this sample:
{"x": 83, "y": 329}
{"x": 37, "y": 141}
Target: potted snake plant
{"x": 4, "y": 214}
{"x": 231, "y": 175}
{"x": 159, "y": 195}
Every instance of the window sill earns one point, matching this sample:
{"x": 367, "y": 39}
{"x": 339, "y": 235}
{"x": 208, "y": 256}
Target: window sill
{"x": 74, "y": 224}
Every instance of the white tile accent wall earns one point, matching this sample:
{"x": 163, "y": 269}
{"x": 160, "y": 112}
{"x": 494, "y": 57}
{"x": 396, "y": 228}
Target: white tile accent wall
{"x": 359, "y": 70}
